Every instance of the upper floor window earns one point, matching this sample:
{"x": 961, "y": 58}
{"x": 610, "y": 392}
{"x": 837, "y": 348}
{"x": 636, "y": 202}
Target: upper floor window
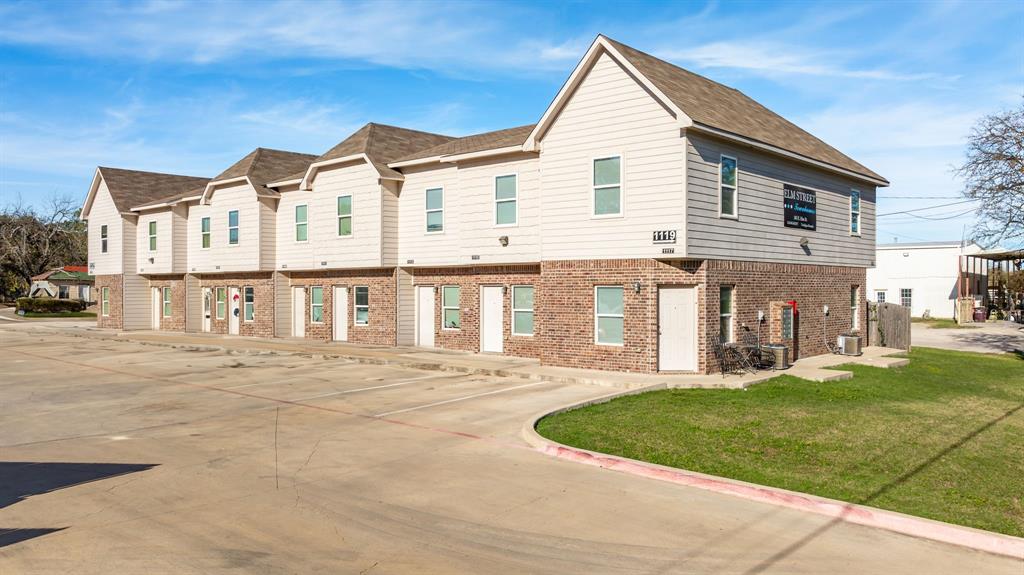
{"x": 316, "y": 304}
{"x": 855, "y": 212}
{"x": 301, "y": 223}
{"x": 506, "y": 210}
{"x": 450, "y": 311}
{"x": 205, "y": 229}
{"x": 344, "y": 215}
{"x": 362, "y": 305}
{"x": 880, "y": 296}
{"x": 727, "y": 188}
{"x": 152, "y": 236}
{"x": 103, "y": 239}
{"x": 725, "y": 313}
{"x": 233, "y": 227}
{"x": 250, "y": 303}
{"x": 607, "y": 196}
{"x": 906, "y": 297}
{"x": 435, "y": 210}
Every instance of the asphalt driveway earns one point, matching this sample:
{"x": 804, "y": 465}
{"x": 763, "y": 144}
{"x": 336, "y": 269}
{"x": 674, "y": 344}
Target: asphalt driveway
{"x": 119, "y": 457}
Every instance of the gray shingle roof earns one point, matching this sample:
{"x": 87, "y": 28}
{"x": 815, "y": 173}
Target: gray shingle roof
{"x": 264, "y": 165}
{"x": 475, "y": 143}
{"x": 129, "y": 188}
{"x": 384, "y": 144}
{"x": 718, "y": 106}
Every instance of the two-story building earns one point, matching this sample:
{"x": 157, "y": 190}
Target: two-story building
{"x": 647, "y": 212}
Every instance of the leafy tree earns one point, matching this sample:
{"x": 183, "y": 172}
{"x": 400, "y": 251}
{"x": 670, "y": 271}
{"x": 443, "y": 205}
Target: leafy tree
{"x": 994, "y": 174}
{"x": 33, "y": 241}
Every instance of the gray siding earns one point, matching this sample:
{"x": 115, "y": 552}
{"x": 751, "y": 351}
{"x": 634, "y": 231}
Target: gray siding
{"x": 282, "y": 305}
{"x": 193, "y": 303}
{"x": 406, "y": 293}
{"x": 759, "y": 234}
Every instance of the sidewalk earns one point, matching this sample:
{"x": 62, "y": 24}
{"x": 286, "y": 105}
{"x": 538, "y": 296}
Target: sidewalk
{"x": 813, "y": 368}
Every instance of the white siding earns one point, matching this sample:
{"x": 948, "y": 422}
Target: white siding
{"x": 282, "y": 305}
{"x": 611, "y": 114}
{"x": 478, "y": 233}
{"x": 930, "y": 271}
{"x": 759, "y": 234}
{"x": 292, "y": 255}
{"x": 103, "y": 212}
{"x": 268, "y": 233}
{"x": 414, "y": 243}
{"x": 406, "y": 316}
{"x": 193, "y": 303}
{"x": 223, "y": 257}
{"x": 389, "y": 191}
{"x": 163, "y": 256}
{"x": 179, "y": 235}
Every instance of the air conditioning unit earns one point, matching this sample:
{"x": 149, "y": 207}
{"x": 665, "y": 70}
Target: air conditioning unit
{"x": 849, "y": 344}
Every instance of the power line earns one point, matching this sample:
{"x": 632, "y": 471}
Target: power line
{"x": 935, "y": 219}
{"x": 927, "y": 208}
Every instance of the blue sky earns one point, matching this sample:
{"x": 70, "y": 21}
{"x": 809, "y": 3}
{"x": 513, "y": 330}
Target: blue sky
{"x": 191, "y": 87}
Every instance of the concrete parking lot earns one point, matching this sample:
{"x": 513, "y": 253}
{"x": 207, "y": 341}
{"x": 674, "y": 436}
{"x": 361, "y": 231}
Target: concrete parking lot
{"x": 120, "y": 457}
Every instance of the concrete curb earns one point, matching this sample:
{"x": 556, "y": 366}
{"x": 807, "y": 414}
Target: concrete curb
{"x": 920, "y": 527}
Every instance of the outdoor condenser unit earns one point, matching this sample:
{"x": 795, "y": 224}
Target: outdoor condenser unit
{"x": 849, "y": 344}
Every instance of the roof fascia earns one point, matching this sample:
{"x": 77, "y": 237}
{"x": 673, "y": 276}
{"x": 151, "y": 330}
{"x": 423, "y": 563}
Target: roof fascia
{"x": 315, "y": 167}
{"x": 416, "y": 162}
{"x": 284, "y": 183}
{"x": 599, "y": 46}
{"x": 482, "y": 153}
{"x": 146, "y": 207}
{"x": 91, "y": 196}
{"x": 205, "y": 198}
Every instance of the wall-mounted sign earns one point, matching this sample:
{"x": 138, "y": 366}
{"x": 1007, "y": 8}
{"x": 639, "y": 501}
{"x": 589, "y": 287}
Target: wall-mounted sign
{"x": 800, "y": 207}
{"x": 665, "y": 237}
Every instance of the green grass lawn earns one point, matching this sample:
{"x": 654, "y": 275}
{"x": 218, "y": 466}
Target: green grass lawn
{"x": 942, "y": 438}
{"x": 942, "y": 323}
{"x": 31, "y": 315}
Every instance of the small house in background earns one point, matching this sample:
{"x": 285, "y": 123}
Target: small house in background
{"x": 924, "y": 276}
{"x": 68, "y": 282}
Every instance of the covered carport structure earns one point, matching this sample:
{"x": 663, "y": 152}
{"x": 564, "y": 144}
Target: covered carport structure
{"x": 993, "y": 278}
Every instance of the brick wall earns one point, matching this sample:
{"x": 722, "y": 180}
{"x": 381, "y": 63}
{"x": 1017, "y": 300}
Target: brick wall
{"x": 176, "y": 322}
{"x": 116, "y": 285}
{"x": 263, "y": 284}
{"x": 469, "y": 280}
{"x": 383, "y": 302}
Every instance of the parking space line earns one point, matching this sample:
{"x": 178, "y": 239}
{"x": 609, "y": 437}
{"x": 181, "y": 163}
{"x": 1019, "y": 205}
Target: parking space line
{"x": 406, "y": 382}
{"x": 435, "y": 404}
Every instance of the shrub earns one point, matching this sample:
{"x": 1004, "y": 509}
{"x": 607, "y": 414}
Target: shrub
{"x": 49, "y": 305}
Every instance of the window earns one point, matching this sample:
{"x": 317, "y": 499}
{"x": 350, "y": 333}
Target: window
{"x": 906, "y": 297}
{"x": 450, "y": 314}
{"x": 855, "y": 212}
{"x": 435, "y": 210}
{"x": 301, "y": 223}
{"x": 152, "y": 236}
{"x": 62, "y": 292}
{"x": 522, "y": 310}
{"x": 608, "y": 315}
{"x": 250, "y": 303}
{"x": 222, "y": 302}
{"x": 506, "y": 192}
{"x": 344, "y": 215}
{"x": 233, "y": 227}
{"x": 608, "y": 186}
{"x": 206, "y": 232}
{"x": 167, "y": 301}
{"x": 727, "y": 186}
{"x": 316, "y": 304}
{"x": 362, "y": 305}
{"x": 103, "y": 239}
{"x": 855, "y": 307}
{"x": 83, "y": 293}
{"x": 105, "y": 301}
{"x": 880, "y": 296}
{"x": 725, "y": 313}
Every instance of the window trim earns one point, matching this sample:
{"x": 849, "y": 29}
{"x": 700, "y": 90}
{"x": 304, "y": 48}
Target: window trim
{"x": 512, "y": 306}
{"x": 167, "y": 307}
{"x": 735, "y": 189}
{"x": 66, "y": 289}
{"x": 237, "y": 227}
{"x": 731, "y": 314}
{"x": 622, "y": 187}
{"x": 444, "y": 201}
{"x": 246, "y": 304}
{"x": 497, "y": 202}
{"x": 218, "y": 312}
{"x": 205, "y": 237}
{"x": 597, "y": 316}
{"x": 855, "y": 308}
{"x": 356, "y": 306}
{"x": 881, "y": 292}
{"x": 457, "y": 307}
{"x": 860, "y": 219}
{"x": 313, "y": 305}
{"x": 909, "y": 297}
{"x": 103, "y": 239}
{"x": 105, "y": 301}
{"x": 152, "y": 228}
{"x": 297, "y": 223}
{"x": 351, "y": 209}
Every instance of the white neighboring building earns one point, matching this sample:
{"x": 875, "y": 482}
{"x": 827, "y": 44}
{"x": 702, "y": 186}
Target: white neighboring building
{"x": 922, "y": 276}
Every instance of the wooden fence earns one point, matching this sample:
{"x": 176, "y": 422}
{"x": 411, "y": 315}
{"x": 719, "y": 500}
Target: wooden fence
{"x": 889, "y": 325}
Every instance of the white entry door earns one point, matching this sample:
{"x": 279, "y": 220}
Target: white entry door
{"x": 425, "y": 316}
{"x": 298, "y": 312}
{"x": 207, "y": 309}
{"x": 677, "y": 328}
{"x": 235, "y": 313}
{"x": 340, "y": 313}
{"x": 492, "y": 319}
{"x": 158, "y": 307}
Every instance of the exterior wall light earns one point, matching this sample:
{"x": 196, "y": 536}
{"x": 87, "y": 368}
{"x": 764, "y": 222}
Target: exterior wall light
{"x": 637, "y": 286}
{"x": 503, "y": 240}
{"x": 804, "y": 242}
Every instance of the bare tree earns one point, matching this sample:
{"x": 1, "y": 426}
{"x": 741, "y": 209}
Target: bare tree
{"x": 994, "y": 174}
{"x": 33, "y": 241}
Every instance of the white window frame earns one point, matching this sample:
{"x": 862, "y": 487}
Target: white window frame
{"x": 246, "y": 304}
{"x": 205, "y": 238}
{"x": 167, "y": 308}
{"x": 860, "y": 221}
{"x": 237, "y": 227}
{"x": 313, "y": 305}
{"x": 356, "y": 306}
{"x": 730, "y": 316}
{"x": 103, "y": 239}
{"x": 908, "y": 297}
{"x": 151, "y": 229}
{"x": 66, "y": 289}
{"x": 515, "y": 309}
{"x": 444, "y": 200}
{"x": 457, "y": 307}
{"x": 351, "y": 209}
{"x": 498, "y": 202}
{"x": 598, "y": 316}
{"x": 105, "y": 302}
{"x": 855, "y": 308}
{"x": 220, "y": 313}
{"x": 304, "y": 222}
{"x": 735, "y": 189}
{"x": 621, "y": 186}
{"x": 880, "y": 292}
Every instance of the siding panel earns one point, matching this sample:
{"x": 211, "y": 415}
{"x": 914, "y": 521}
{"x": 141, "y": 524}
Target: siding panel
{"x": 104, "y": 213}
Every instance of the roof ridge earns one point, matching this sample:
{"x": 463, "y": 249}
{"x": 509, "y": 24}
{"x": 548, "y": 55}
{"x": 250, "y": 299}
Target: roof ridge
{"x": 101, "y": 168}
